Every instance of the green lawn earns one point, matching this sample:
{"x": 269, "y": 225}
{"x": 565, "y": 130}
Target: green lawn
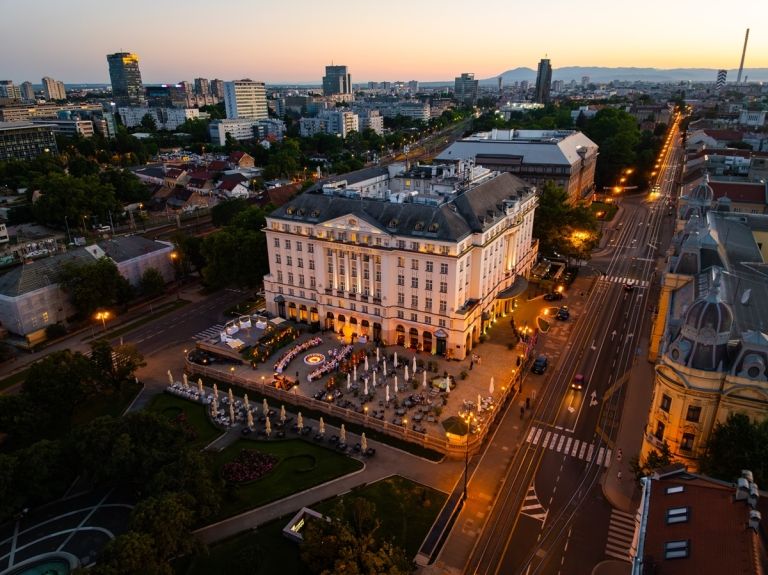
{"x": 406, "y": 510}
{"x": 301, "y": 465}
{"x": 112, "y": 404}
{"x": 172, "y": 406}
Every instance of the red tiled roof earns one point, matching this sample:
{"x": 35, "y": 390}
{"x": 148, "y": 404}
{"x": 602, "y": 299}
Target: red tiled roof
{"x": 217, "y": 166}
{"x": 748, "y": 192}
{"x": 236, "y": 156}
{"x": 228, "y": 184}
{"x": 719, "y": 540}
{"x": 201, "y": 175}
{"x": 724, "y": 135}
{"x": 280, "y": 195}
{"x": 173, "y": 172}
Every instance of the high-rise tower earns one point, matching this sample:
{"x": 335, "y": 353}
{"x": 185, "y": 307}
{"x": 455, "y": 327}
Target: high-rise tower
{"x": 127, "y": 88}
{"x": 543, "y": 82}
{"x": 245, "y": 99}
{"x": 743, "y": 54}
{"x": 336, "y": 81}
{"x": 720, "y": 82}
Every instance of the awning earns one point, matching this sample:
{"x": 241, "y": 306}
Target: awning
{"x": 279, "y": 298}
{"x": 518, "y": 286}
{"x": 441, "y": 334}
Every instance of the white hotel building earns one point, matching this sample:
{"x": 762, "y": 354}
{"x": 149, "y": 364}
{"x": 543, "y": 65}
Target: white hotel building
{"x": 426, "y": 258}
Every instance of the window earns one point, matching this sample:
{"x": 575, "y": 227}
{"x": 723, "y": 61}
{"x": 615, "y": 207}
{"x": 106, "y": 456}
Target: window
{"x": 298, "y": 246}
{"x": 441, "y": 322}
{"x": 277, "y": 242}
{"x": 400, "y": 314}
{"x": 378, "y": 275}
{"x": 278, "y": 259}
{"x": 330, "y": 267}
{"x": 427, "y": 320}
{"x": 401, "y": 280}
{"x": 666, "y": 403}
{"x": 443, "y": 287}
{"x": 428, "y": 285}
{"x": 289, "y": 260}
{"x": 400, "y": 262}
{"x": 443, "y": 268}
{"x": 401, "y": 244}
{"x": 414, "y": 301}
{"x": 676, "y": 549}
{"x": 300, "y": 262}
{"x": 659, "y": 431}
{"x": 353, "y": 307}
{"x": 415, "y": 246}
{"x": 694, "y": 413}
{"x": 279, "y": 276}
{"x": 677, "y": 515}
{"x": 301, "y": 280}
{"x": 687, "y": 442}
{"x": 287, "y": 244}
{"x": 428, "y": 304}
{"x": 290, "y": 278}
{"x": 675, "y": 489}
{"x": 311, "y": 264}
{"x": 366, "y": 273}
{"x": 414, "y": 317}
{"x": 414, "y": 282}
{"x": 415, "y": 265}
{"x": 312, "y": 281}
{"x": 443, "y": 306}
{"x": 430, "y": 265}
{"x": 401, "y": 299}
{"x": 311, "y": 248}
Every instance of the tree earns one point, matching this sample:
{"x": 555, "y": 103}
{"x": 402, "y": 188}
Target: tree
{"x": 148, "y": 123}
{"x": 151, "y": 283}
{"x": 168, "y": 520}
{"x": 654, "y": 460}
{"x": 616, "y": 133}
{"x": 44, "y": 472}
{"x": 115, "y": 365}
{"x": 10, "y": 497}
{"x": 737, "y": 444}
{"x": 74, "y": 198}
{"x": 94, "y": 285}
{"x": 223, "y": 212}
{"x": 129, "y": 554}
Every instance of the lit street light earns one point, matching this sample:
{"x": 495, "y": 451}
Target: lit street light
{"x": 103, "y": 316}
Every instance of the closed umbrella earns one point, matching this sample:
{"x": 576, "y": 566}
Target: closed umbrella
{"x": 414, "y": 364}
{"x": 366, "y": 363}
{"x": 396, "y": 388}
{"x": 170, "y": 378}
{"x": 406, "y": 372}
{"x": 386, "y": 394}
{"x": 185, "y": 381}
{"x": 365, "y": 390}
{"x": 377, "y": 355}
{"x": 478, "y": 402}
{"x": 247, "y": 403}
{"x": 424, "y": 379}
{"x": 374, "y": 380}
{"x": 321, "y": 429}
{"x": 249, "y": 416}
{"x": 349, "y": 381}
{"x": 265, "y": 406}
{"x": 363, "y": 443}
{"x": 343, "y": 434}
{"x": 200, "y": 385}
{"x": 490, "y": 387}
{"x": 268, "y": 428}
{"x": 215, "y": 407}
{"x": 354, "y": 372}
{"x": 216, "y": 391}
{"x": 300, "y": 421}
{"x": 232, "y": 413}
{"x": 447, "y": 385}
{"x": 395, "y": 360}
{"x": 231, "y": 396}
{"x": 384, "y": 365}
{"x": 282, "y": 413}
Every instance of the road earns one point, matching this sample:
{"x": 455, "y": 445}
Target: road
{"x": 549, "y": 515}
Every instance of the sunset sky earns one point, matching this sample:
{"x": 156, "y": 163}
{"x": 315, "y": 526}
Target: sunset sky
{"x": 426, "y": 40}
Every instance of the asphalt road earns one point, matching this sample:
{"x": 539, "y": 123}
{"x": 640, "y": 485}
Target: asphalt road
{"x": 550, "y": 516}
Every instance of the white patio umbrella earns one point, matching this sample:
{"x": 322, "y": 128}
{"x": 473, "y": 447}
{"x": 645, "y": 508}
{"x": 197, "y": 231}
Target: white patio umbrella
{"x": 321, "y": 429}
{"x": 282, "y": 413}
{"x": 366, "y": 363}
{"x": 215, "y": 405}
{"x": 396, "y": 388}
{"x": 395, "y": 360}
{"x": 300, "y": 421}
{"x": 479, "y": 400}
{"x": 363, "y": 443}
{"x": 424, "y": 379}
{"x": 265, "y": 407}
{"x": 447, "y": 385}
{"x": 384, "y": 366}
{"x": 490, "y": 387}
{"x": 414, "y": 365}
{"x": 170, "y": 378}
{"x": 406, "y": 372}
{"x": 232, "y": 413}
{"x": 374, "y": 380}
{"x": 231, "y": 396}
{"x": 247, "y": 403}
{"x": 343, "y": 434}
{"x": 365, "y": 390}
{"x": 268, "y": 428}
{"x": 354, "y": 372}
{"x": 377, "y": 355}
{"x": 386, "y": 394}
{"x": 216, "y": 391}
{"x": 249, "y": 416}
{"x": 349, "y": 381}
{"x": 185, "y": 381}
{"x": 200, "y": 385}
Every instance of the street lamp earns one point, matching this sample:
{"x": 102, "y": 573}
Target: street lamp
{"x": 175, "y": 258}
{"x": 103, "y": 316}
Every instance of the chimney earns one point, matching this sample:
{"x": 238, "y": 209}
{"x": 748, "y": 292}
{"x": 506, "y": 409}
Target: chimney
{"x": 753, "y": 495}
{"x": 754, "y": 519}
{"x": 742, "y": 489}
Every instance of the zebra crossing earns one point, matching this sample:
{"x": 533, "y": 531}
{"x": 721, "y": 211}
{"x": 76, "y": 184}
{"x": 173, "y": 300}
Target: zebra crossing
{"x": 532, "y": 507}
{"x": 569, "y": 445}
{"x": 625, "y": 280}
{"x": 621, "y": 533}
{"x": 210, "y": 333}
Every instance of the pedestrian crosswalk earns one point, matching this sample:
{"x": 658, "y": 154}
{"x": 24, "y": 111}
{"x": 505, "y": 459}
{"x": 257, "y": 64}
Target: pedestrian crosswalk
{"x": 625, "y": 280}
{"x": 569, "y": 445}
{"x": 621, "y": 532}
{"x": 210, "y": 333}
{"x": 532, "y": 507}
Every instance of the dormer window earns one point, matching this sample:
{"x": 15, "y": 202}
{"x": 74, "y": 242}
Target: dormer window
{"x": 419, "y": 226}
{"x": 434, "y": 227}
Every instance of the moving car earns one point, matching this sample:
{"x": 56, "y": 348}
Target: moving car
{"x": 628, "y": 287}
{"x": 539, "y": 365}
{"x": 578, "y": 382}
{"x": 563, "y": 313}
{"x": 553, "y": 296}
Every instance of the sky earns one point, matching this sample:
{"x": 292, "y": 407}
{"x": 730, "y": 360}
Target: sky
{"x": 291, "y": 41}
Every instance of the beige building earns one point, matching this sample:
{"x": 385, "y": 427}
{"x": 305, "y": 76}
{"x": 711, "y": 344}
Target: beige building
{"x": 710, "y": 337}
{"x": 426, "y": 258}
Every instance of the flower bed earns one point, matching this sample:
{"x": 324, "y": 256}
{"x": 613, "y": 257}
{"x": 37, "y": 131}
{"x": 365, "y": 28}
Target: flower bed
{"x": 249, "y": 465}
{"x": 289, "y": 355}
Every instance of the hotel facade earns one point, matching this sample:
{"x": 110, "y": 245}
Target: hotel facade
{"x": 427, "y": 258}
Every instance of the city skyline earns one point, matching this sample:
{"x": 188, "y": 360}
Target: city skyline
{"x": 424, "y": 45}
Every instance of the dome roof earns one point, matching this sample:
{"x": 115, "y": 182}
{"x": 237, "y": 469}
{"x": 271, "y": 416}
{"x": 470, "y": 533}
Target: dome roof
{"x": 703, "y": 192}
{"x": 711, "y": 315}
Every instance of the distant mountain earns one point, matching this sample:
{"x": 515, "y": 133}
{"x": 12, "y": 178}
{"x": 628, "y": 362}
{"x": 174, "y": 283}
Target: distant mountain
{"x": 601, "y": 74}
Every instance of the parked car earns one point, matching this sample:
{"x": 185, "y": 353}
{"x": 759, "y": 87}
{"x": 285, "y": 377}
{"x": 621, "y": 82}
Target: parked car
{"x": 539, "y": 365}
{"x": 553, "y": 296}
{"x": 563, "y": 314}
{"x": 578, "y": 382}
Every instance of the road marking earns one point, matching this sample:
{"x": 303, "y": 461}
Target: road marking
{"x": 621, "y": 533}
{"x": 591, "y": 450}
{"x": 532, "y": 507}
{"x": 530, "y": 434}
{"x": 538, "y": 434}
{"x": 600, "y": 455}
{"x": 569, "y": 446}
{"x": 546, "y": 439}
{"x": 560, "y": 445}
{"x": 583, "y": 449}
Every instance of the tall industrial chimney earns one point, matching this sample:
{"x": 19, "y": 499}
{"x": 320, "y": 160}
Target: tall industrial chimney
{"x": 743, "y": 53}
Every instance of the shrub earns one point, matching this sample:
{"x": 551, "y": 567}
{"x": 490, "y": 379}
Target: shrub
{"x": 463, "y": 375}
